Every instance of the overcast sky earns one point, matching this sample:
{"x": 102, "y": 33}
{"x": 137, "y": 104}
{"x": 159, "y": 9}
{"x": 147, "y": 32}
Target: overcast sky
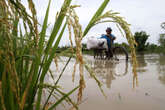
{"x": 146, "y": 15}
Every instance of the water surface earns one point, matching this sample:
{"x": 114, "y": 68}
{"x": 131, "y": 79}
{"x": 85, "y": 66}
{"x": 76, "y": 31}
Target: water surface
{"x": 117, "y": 80}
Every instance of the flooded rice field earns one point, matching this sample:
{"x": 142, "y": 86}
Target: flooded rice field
{"x": 117, "y": 80}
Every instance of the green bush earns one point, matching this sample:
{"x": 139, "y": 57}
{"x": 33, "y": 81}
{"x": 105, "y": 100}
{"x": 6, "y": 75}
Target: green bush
{"x": 141, "y": 38}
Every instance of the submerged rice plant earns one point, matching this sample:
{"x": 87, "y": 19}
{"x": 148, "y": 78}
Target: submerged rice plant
{"x": 26, "y": 56}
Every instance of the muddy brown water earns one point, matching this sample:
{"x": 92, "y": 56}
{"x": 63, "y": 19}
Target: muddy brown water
{"x": 117, "y": 80}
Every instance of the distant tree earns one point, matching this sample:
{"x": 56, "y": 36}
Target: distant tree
{"x": 141, "y": 38}
{"x": 162, "y": 36}
{"x": 163, "y": 25}
{"x": 152, "y": 48}
{"x": 162, "y": 40}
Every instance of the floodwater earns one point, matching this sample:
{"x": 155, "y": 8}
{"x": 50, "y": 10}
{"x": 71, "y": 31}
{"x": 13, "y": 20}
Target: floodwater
{"x": 117, "y": 80}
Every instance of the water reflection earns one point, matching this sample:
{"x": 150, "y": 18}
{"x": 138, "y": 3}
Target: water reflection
{"x": 117, "y": 78}
{"x": 161, "y": 68}
{"x": 141, "y": 63}
{"x": 146, "y": 61}
{"x": 108, "y": 71}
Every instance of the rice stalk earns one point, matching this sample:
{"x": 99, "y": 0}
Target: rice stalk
{"x": 49, "y": 86}
{"x": 68, "y": 98}
{"x": 56, "y": 61}
{"x": 58, "y": 24}
{"x": 104, "y": 21}
{"x": 57, "y": 82}
{"x": 78, "y": 35}
{"x": 34, "y": 18}
{"x": 51, "y": 74}
{"x": 30, "y": 46}
{"x": 91, "y": 72}
{"x": 56, "y": 96}
{"x": 120, "y": 30}
{"x": 74, "y": 70}
{"x": 70, "y": 34}
{"x": 47, "y": 60}
{"x": 9, "y": 60}
{"x": 65, "y": 96}
{"x": 23, "y": 100}
{"x": 1, "y": 96}
{"x": 74, "y": 108}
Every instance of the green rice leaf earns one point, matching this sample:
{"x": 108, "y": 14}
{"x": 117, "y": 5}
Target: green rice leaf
{"x": 43, "y": 31}
{"x": 47, "y": 64}
{"x": 63, "y": 98}
{"x": 97, "y": 14}
{"x": 58, "y": 24}
{"x": 57, "y": 82}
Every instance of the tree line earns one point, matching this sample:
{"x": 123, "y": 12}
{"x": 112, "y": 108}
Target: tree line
{"x": 141, "y": 38}
{"x": 142, "y": 45}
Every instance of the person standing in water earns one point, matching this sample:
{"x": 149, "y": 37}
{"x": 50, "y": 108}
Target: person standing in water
{"x": 110, "y": 39}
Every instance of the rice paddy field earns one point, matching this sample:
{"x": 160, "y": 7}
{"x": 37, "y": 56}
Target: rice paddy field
{"x": 34, "y": 76}
{"x": 117, "y": 80}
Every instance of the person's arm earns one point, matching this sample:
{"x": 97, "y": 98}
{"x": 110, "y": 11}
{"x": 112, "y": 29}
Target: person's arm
{"x": 114, "y": 38}
{"x": 109, "y": 36}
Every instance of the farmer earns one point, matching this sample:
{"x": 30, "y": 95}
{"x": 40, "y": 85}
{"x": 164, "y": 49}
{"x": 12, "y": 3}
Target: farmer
{"x": 110, "y": 38}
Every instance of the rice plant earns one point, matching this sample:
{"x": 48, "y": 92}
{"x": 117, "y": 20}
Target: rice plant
{"x": 26, "y": 56}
